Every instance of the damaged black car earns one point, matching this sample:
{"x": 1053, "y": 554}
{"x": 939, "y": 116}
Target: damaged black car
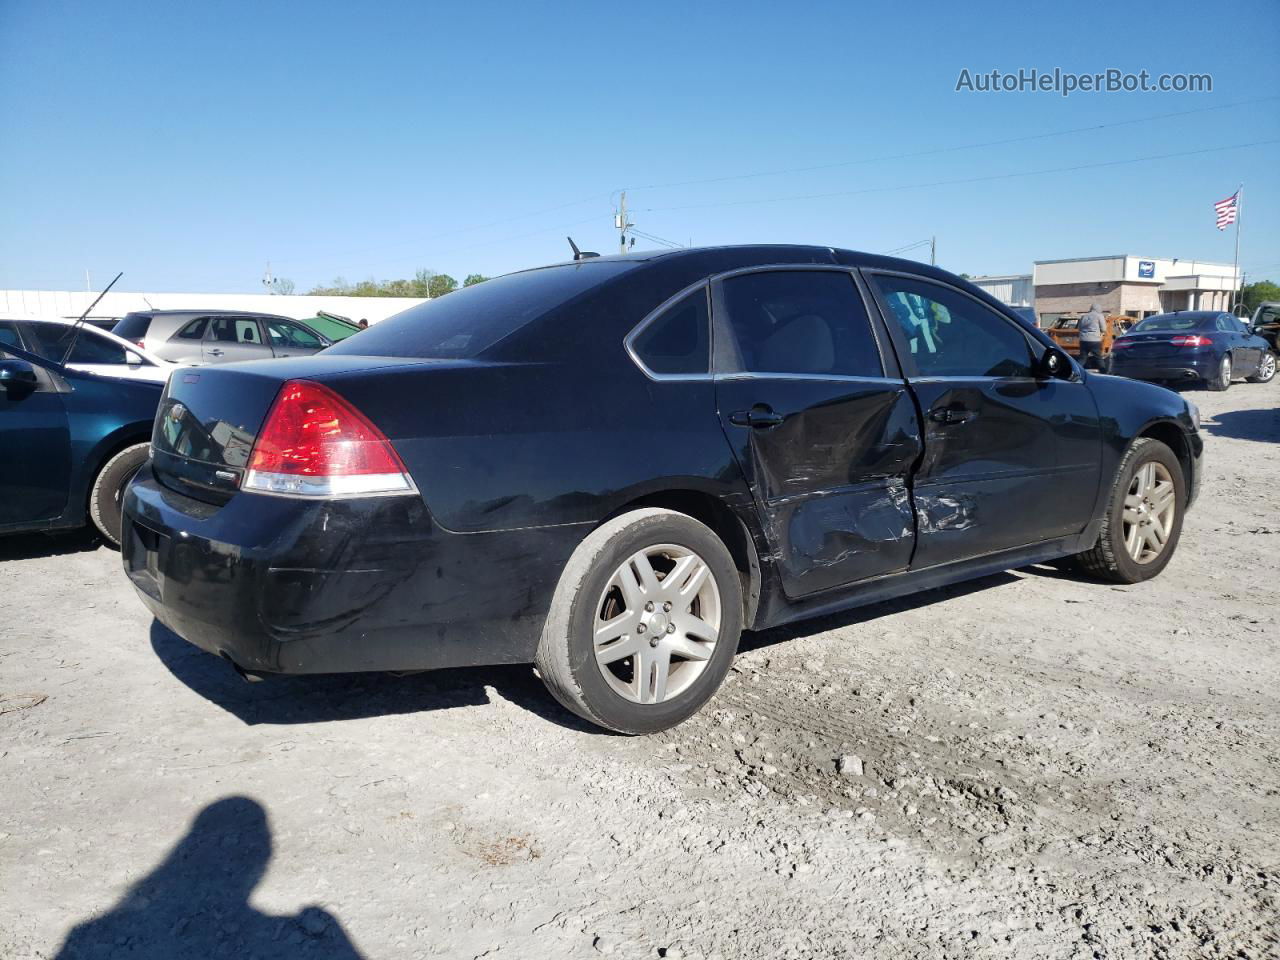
{"x": 612, "y": 467}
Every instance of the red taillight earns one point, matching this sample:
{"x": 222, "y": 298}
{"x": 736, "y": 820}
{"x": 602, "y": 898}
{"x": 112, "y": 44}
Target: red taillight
{"x": 1121, "y": 345}
{"x": 316, "y": 444}
{"x": 1190, "y": 340}
{"x": 140, "y": 344}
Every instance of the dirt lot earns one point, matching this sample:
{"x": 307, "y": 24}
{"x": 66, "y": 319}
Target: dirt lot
{"x": 1048, "y": 768}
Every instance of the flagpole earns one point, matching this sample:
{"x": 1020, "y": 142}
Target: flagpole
{"x": 1237, "y": 293}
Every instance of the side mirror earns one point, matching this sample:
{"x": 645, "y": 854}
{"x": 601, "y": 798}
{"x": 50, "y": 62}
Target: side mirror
{"x": 17, "y": 377}
{"x": 1055, "y": 365}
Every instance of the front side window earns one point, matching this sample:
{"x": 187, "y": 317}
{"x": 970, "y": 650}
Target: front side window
{"x": 950, "y": 335}
{"x": 805, "y": 322}
{"x": 678, "y": 341}
{"x": 286, "y": 334}
{"x": 234, "y": 330}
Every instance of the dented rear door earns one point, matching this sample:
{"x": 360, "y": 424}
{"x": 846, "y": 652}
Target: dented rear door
{"x": 820, "y": 422}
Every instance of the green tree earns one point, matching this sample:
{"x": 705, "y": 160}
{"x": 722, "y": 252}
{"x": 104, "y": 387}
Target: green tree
{"x": 1256, "y": 293}
{"x": 440, "y": 284}
{"x": 473, "y": 279}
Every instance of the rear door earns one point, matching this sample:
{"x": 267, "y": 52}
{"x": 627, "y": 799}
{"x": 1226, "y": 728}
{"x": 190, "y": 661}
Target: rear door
{"x": 820, "y": 421}
{"x": 289, "y": 339}
{"x": 34, "y": 482}
{"x": 230, "y": 338}
{"x": 1009, "y": 459}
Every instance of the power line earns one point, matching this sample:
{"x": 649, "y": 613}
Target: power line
{"x": 962, "y": 180}
{"x": 965, "y": 146}
{"x": 649, "y": 236}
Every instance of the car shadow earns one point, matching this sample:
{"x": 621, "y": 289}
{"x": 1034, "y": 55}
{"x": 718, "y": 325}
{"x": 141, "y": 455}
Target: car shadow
{"x": 32, "y": 546}
{"x": 1262, "y": 426}
{"x": 196, "y": 902}
{"x": 318, "y": 698}
{"x": 859, "y": 615}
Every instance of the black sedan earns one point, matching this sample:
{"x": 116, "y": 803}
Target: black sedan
{"x": 1194, "y": 345}
{"x": 612, "y": 467}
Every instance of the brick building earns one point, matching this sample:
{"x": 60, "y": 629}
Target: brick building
{"x": 1135, "y": 286}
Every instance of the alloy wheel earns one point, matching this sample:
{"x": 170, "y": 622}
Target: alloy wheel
{"x": 1150, "y": 507}
{"x": 1267, "y": 368}
{"x": 657, "y": 623}
{"x": 1224, "y": 373}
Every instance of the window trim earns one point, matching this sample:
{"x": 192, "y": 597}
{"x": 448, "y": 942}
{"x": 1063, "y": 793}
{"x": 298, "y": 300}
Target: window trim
{"x": 911, "y": 370}
{"x": 628, "y": 342}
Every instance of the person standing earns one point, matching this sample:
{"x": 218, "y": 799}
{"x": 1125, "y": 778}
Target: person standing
{"x": 1092, "y": 324}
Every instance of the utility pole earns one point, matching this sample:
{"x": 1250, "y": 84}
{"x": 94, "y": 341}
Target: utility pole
{"x": 620, "y": 221}
{"x": 1238, "y": 292}
{"x": 933, "y": 251}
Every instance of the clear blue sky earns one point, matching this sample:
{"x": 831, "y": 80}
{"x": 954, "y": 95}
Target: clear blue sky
{"x": 190, "y": 144}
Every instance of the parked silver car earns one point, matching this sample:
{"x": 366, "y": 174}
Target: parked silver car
{"x": 218, "y": 336}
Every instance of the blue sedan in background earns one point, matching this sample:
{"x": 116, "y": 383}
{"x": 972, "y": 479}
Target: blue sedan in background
{"x": 70, "y": 442}
{"x": 1193, "y": 345}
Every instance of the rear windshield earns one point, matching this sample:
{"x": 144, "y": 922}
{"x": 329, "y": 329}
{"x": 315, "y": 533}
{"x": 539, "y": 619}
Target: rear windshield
{"x": 1171, "y": 323}
{"x": 132, "y": 327}
{"x": 467, "y": 322}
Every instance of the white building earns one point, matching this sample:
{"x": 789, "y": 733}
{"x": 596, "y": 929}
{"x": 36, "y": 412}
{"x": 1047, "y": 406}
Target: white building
{"x": 1130, "y": 285}
{"x": 1015, "y": 289}
{"x": 72, "y": 303}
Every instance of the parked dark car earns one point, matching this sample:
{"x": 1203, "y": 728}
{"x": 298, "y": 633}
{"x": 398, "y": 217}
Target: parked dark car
{"x": 71, "y": 441}
{"x": 1205, "y": 345}
{"x": 612, "y": 467}
{"x": 218, "y": 336}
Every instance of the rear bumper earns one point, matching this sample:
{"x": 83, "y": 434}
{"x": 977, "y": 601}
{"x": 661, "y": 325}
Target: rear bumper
{"x": 289, "y": 586}
{"x": 1170, "y": 368}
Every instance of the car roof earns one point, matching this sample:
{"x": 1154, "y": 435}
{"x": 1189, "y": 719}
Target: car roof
{"x": 1192, "y": 314}
{"x": 206, "y": 313}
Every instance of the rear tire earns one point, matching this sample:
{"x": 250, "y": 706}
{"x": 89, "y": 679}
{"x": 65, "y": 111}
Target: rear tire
{"x": 1124, "y": 553}
{"x": 107, "y": 495}
{"x": 1266, "y": 369}
{"x": 1223, "y": 379}
{"x": 627, "y": 647}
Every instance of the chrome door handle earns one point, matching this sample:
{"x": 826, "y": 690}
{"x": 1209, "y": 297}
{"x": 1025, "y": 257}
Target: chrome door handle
{"x": 759, "y": 416}
{"x": 951, "y": 415}
{"x": 215, "y": 353}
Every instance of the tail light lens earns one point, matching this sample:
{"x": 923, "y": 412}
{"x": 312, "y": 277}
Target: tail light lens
{"x": 316, "y": 444}
{"x": 140, "y": 344}
{"x": 1190, "y": 340}
{"x": 1121, "y": 345}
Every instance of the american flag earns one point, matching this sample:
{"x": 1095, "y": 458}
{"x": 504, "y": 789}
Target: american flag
{"x": 1226, "y": 210}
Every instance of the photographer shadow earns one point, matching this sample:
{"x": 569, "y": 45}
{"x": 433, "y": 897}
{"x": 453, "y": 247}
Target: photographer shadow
{"x": 196, "y": 902}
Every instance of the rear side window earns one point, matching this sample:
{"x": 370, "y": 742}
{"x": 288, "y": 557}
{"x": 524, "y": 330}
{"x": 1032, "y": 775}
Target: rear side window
{"x": 132, "y": 327}
{"x": 808, "y": 322}
{"x": 193, "y": 330}
{"x": 235, "y": 330}
{"x": 677, "y": 341}
{"x": 467, "y": 322}
{"x": 950, "y": 335}
{"x": 9, "y": 335}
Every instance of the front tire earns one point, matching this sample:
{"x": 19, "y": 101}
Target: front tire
{"x": 1223, "y": 379}
{"x": 644, "y": 623}
{"x": 1143, "y": 521}
{"x": 1266, "y": 369}
{"x": 106, "y": 498}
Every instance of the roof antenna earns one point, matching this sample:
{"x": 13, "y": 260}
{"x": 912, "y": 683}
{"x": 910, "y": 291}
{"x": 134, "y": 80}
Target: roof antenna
{"x": 79, "y": 324}
{"x": 580, "y": 254}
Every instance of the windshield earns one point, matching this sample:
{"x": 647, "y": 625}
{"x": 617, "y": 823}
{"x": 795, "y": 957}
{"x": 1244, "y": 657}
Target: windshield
{"x": 463, "y": 324}
{"x": 1170, "y": 323}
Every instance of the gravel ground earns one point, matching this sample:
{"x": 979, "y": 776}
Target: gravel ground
{"x": 1029, "y": 765}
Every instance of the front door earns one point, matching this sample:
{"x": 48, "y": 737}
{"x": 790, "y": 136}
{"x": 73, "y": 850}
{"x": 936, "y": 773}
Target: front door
{"x": 1010, "y": 459}
{"x": 35, "y": 470}
{"x": 228, "y": 339}
{"x": 820, "y": 421}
